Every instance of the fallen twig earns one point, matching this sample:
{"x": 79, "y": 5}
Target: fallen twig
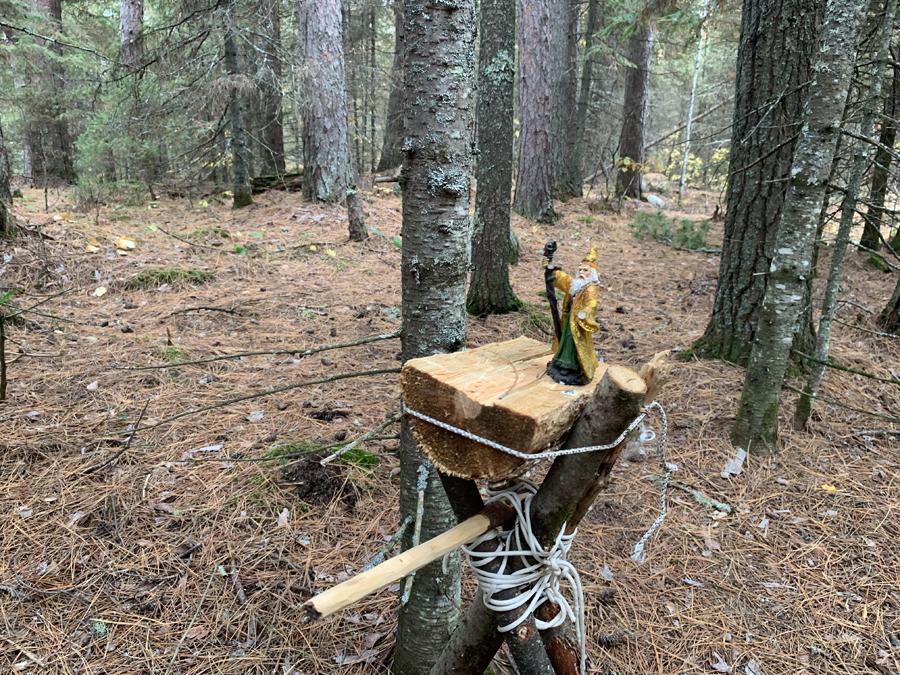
{"x": 869, "y": 330}
{"x": 842, "y": 405}
{"x": 191, "y": 624}
{"x": 124, "y": 447}
{"x": 208, "y": 309}
{"x": 249, "y": 397}
{"x": 862, "y": 373}
{"x": 366, "y": 436}
{"x": 269, "y": 352}
{"x": 189, "y": 243}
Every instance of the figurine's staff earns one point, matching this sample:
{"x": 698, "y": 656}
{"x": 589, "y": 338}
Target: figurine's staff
{"x": 549, "y": 278}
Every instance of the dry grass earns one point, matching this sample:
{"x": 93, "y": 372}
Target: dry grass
{"x": 175, "y": 560}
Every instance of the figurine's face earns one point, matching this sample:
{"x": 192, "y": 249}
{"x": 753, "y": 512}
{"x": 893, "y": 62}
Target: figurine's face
{"x": 584, "y": 272}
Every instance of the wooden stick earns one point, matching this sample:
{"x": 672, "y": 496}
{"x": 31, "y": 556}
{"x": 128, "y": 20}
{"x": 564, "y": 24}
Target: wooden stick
{"x": 343, "y": 595}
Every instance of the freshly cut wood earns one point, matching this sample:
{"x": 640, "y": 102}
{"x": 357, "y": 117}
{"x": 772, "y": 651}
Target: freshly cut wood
{"x": 345, "y": 594}
{"x": 499, "y": 392}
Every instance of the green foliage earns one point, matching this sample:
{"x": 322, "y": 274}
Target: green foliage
{"x": 359, "y": 457}
{"x": 170, "y": 354}
{"x": 676, "y": 232}
{"x": 288, "y": 451}
{"x": 537, "y": 320}
{"x": 157, "y": 276}
{"x": 213, "y": 231}
{"x": 711, "y": 174}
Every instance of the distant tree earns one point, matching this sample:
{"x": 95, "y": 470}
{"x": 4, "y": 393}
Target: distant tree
{"x": 871, "y": 236}
{"x": 5, "y": 192}
{"x": 584, "y": 94}
{"x": 532, "y": 198}
{"x": 773, "y": 70}
{"x": 131, "y": 32}
{"x": 489, "y": 288}
{"x": 271, "y": 132}
{"x": 563, "y": 69}
{"x": 240, "y": 175}
{"x": 638, "y": 51}
{"x": 436, "y": 233}
{"x": 49, "y": 146}
{"x": 756, "y": 423}
{"x": 391, "y": 149}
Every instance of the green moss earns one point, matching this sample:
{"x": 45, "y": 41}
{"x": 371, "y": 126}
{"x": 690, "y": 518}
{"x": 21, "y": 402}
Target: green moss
{"x": 879, "y": 263}
{"x": 170, "y": 354}
{"x": 291, "y": 450}
{"x": 157, "y": 276}
{"x": 359, "y": 457}
{"x": 204, "y": 231}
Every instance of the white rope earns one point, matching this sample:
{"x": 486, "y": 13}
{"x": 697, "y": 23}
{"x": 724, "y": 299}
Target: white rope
{"x": 525, "y": 455}
{"x": 541, "y": 571}
{"x": 638, "y": 554}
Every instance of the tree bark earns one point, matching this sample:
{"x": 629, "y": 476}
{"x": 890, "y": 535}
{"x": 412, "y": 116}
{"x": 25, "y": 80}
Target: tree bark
{"x": 773, "y": 68}
{"x": 634, "y": 112}
{"x": 489, "y": 288}
{"x": 756, "y": 424}
{"x": 5, "y": 191}
{"x": 438, "y": 87}
{"x": 240, "y": 175}
{"x": 871, "y": 236}
{"x": 47, "y": 131}
{"x": 326, "y": 153}
{"x": 391, "y": 149}
{"x": 563, "y": 78}
{"x": 584, "y": 95}
{"x": 532, "y": 198}
{"x": 271, "y": 133}
{"x": 848, "y": 212}
{"x": 131, "y": 32}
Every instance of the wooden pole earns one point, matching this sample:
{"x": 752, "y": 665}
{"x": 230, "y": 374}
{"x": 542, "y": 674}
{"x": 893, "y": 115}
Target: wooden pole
{"x": 343, "y": 595}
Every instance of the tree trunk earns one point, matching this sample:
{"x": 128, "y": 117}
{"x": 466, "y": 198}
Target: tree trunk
{"x": 756, "y": 423}
{"x": 5, "y": 191}
{"x": 438, "y": 87}
{"x": 240, "y": 176}
{"x": 890, "y": 315}
{"x": 690, "y": 114}
{"x": 634, "y": 113}
{"x": 848, "y": 211}
{"x": 871, "y": 236}
{"x": 131, "y": 32}
{"x": 584, "y": 95}
{"x": 391, "y": 149}
{"x": 271, "y": 133}
{"x": 532, "y": 198}
{"x": 563, "y": 77}
{"x": 773, "y": 69}
{"x": 326, "y": 153}
{"x": 51, "y": 150}
{"x": 489, "y": 288}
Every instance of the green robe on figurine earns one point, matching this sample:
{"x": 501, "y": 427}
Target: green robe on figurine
{"x": 574, "y": 360}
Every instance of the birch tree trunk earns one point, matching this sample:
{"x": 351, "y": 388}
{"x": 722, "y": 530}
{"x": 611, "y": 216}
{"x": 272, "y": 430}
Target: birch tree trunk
{"x": 131, "y": 32}
{"x": 438, "y": 82}
{"x": 532, "y": 199}
{"x": 634, "y": 113}
{"x": 240, "y": 177}
{"x": 690, "y": 115}
{"x": 773, "y": 68}
{"x": 756, "y": 424}
{"x": 848, "y": 211}
{"x": 391, "y": 154}
{"x": 489, "y": 288}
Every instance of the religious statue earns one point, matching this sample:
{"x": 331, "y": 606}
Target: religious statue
{"x": 574, "y": 360}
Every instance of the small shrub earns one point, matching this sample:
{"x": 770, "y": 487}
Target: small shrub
{"x": 157, "y": 276}
{"x": 678, "y": 233}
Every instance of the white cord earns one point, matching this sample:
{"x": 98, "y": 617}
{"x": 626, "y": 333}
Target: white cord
{"x": 541, "y": 570}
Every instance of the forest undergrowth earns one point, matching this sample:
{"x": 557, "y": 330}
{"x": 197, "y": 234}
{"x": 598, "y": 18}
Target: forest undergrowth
{"x": 188, "y": 546}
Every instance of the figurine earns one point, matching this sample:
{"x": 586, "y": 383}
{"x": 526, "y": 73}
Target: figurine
{"x": 574, "y": 360}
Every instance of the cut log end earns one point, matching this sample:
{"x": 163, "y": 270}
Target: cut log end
{"x": 627, "y": 380}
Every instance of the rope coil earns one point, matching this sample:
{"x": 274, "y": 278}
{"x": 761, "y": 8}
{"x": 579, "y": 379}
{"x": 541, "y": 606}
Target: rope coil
{"x": 540, "y": 571}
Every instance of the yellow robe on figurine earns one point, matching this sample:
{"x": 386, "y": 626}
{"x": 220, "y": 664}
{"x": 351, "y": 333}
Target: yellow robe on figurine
{"x": 581, "y": 320}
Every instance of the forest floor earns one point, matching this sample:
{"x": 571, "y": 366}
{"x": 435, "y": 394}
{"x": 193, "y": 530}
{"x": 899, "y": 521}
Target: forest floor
{"x": 190, "y": 549}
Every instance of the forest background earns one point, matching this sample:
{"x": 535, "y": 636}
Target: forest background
{"x": 129, "y": 130}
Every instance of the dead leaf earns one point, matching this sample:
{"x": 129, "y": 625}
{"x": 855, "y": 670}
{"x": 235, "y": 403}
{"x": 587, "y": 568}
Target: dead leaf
{"x": 125, "y": 244}
{"x": 371, "y": 639}
{"x": 99, "y": 291}
{"x": 74, "y": 519}
{"x": 196, "y": 632}
{"x": 144, "y": 543}
{"x": 367, "y": 656}
{"x": 162, "y": 506}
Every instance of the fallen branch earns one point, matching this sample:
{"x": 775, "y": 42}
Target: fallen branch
{"x": 249, "y": 397}
{"x": 189, "y": 243}
{"x": 842, "y": 405}
{"x": 297, "y": 352}
{"x": 208, "y": 309}
{"x": 828, "y": 364}
{"x": 366, "y": 436}
{"x": 869, "y": 330}
{"x": 124, "y": 447}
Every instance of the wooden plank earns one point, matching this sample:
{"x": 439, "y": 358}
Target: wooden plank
{"x": 500, "y": 392}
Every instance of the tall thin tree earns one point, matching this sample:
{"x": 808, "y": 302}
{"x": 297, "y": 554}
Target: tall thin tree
{"x": 271, "y": 133}
{"x": 240, "y": 176}
{"x": 756, "y": 422}
{"x": 489, "y": 288}
{"x": 392, "y": 140}
{"x": 438, "y": 86}
{"x": 532, "y": 199}
{"x": 639, "y": 51}
{"x": 584, "y": 94}
{"x": 131, "y": 32}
